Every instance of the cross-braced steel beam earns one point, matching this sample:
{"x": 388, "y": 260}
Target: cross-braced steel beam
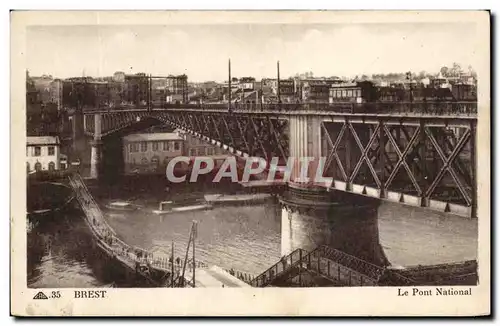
{"x": 421, "y": 161}
{"x": 424, "y": 165}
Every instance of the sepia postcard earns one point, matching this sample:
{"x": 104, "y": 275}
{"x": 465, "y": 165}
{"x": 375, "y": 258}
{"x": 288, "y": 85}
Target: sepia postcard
{"x": 250, "y": 163}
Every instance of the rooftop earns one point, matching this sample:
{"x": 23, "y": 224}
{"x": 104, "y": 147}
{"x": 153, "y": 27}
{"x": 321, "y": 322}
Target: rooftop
{"x": 42, "y": 140}
{"x": 153, "y": 136}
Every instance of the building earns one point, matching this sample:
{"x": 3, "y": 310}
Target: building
{"x": 137, "y": 89}
{"x": 119, "y": 77}
{"x": 287, "y": 87}
{"x": 56, "y": 91}
{"x": 151, "y": 152}
{"x": 42, "y": 82}
{"x": 317, "y": 90}
{"x": 117, "y": 93}
{"x": 177, "y": 89}
{"x": 197, "y": 147}
{"x": 101, "y": 94}
{"x": 247, "y": 83}
{"x": 391, "y": 94}
{"x": 42, "y": 153}
{"x": 439, "y": 81}
{"x": 78, "y": 92}
{"x": 464, "y": 92}
{"x": 426, "y": 81}
{"x": 158, "y": 95}
{"x": 32, "y": 96}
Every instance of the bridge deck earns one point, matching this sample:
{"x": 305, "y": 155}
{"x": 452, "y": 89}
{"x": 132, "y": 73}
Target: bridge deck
{"x": 215, "y": 277}
{"x": 285, "y": 112}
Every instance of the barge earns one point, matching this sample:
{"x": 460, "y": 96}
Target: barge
{"x": 168, "y": 207}
{"x": 236, "y": 199}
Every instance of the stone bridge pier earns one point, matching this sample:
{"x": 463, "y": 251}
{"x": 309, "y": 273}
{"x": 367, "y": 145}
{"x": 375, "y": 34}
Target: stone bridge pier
{"x": 312, "y": 216}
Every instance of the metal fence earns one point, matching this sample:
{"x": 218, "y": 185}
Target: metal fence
{"x": 279, "y": 268}
{"x": 400, "y": 108}
{"x": 356, "y": 264}
{"x": 340, "y": 268}
{"x": 337, "y": 272}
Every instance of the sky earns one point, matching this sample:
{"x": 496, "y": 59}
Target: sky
{"x": 202, "y": 51}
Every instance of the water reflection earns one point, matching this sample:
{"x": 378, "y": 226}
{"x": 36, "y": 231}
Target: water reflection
{"x": 246, "y": 238}
{"x": 60, "y": 254}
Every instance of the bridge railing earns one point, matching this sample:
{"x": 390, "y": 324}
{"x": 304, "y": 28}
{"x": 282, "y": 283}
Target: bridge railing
{"x": 335, "y": 271}
{"x": 402, "y": 108}
{"x": 354, "y": 263}
{"x": 278, "y": 269}
{"x": 103, "y": 231}
{"x": 337, "y": 266}
{"x": 422, "y": 107}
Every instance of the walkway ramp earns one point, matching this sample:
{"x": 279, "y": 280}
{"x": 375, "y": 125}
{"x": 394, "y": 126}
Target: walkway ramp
{"x": 215, "y": 277}
{"x": 324, "y": 266}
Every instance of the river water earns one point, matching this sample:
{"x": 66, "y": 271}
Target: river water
{"x": 245, "y": 238}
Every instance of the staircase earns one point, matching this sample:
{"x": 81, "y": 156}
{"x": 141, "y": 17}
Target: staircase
{"x": 326, "y": 266}
{"x": 284, "y": 266}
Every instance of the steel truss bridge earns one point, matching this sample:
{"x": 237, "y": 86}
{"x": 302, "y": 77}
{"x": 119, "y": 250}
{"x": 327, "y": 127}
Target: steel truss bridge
{"x": 420, "y": 154}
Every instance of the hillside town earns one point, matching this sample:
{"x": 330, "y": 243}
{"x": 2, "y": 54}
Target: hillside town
{"x": 48, "y": 98}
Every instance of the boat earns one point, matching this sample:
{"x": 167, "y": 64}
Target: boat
{"x": 121, "y": 206}
{"x": 166, "y": 207}
{"x": 191, "y": 208}
{"x": 235, "y": 199}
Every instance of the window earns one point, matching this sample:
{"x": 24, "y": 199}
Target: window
{"x": 201, "y": 151}
{"x": 52, "y": 150}
{"x": 210, "y": 151}
{"x": 192, "y": 152}
{"x": 37, "y": 151}
{"x": 155, "y": 146}
{"x": 176, "y": 145}
{"x": 134, "y": 147}
{"x": 359, "y": 93}
{"x": 38, "y": 166}
{"x": 144, "y": 146}
{"x": 52, "y": 166}
{"x": 344, "y": 93}
{"x": 165, "y": 146}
